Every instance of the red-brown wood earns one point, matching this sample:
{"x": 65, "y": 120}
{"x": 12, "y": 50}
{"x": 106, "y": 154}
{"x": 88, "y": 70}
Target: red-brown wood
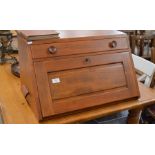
{"x": 28, "y": 80}
{"x": 86, "y": 80}
{"x": 78, "y": 47}
{"x": 78, "y": 90}
{"x": 78, "y": 70}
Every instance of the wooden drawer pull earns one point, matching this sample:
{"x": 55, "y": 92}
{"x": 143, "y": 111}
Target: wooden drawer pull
{"x": 52, "y": 50}
{"x": 113, "y": 44}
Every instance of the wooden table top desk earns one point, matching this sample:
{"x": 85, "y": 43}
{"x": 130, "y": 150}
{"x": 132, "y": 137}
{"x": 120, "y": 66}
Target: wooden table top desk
{"x": 16, "y": 110}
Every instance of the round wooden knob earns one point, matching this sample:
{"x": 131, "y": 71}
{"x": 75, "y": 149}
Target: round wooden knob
{"x": 52, "y": 50}
{"x": 113, "y": 44}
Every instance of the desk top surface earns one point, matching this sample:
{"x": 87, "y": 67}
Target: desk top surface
{"x": 16, "y": 110}
{"x": 66, "y": 34}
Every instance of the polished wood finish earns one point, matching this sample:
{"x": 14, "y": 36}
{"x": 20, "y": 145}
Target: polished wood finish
{"x": 28, "y": 81}
{"x": 78, "y": 70}
{"x": 79, "y": 80}
{"x": 38, "y": 34}
{"x": 134, "y": 116}
{"x": 1, "y": 115}
{"x": 77, "y": 47}
{"x": 15, "y": 109}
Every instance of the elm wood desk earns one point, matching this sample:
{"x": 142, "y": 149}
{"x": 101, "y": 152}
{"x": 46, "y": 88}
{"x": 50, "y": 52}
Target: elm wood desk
{"x": 16, "y": 110}
{"x": 75, "y": 70}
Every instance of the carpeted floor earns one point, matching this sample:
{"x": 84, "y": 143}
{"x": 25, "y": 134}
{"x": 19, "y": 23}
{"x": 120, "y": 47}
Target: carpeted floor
{"x": 118, "y": 118}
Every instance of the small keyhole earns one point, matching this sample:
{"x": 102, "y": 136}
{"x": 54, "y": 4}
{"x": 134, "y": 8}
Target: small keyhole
{"x": 87, "y": 60}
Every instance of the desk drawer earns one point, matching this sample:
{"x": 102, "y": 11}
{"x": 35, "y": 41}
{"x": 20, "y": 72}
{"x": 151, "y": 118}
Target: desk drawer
{"x": 77, "y": 47}
{"x": 69, "y": 84}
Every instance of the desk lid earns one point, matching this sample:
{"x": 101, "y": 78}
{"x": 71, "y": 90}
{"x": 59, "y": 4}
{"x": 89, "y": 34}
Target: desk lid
{"x": 34, "y": 35}
{"x": 38, "y": 34}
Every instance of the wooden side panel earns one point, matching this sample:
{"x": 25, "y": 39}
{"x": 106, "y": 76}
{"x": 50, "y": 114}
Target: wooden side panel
{"x": 28, "y": 77}
{"x": 130, "y": 74}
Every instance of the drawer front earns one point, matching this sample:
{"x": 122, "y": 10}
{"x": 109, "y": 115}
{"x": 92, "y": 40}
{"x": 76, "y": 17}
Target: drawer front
{"x": 77, "y": 47}
{"x": 71, "y": 84}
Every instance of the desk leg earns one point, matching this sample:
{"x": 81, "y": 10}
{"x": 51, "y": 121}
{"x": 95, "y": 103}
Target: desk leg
{"x": 134, "y": 116}
{"x": 1, "y": 116}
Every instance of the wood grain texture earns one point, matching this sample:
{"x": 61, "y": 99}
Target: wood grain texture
{"x": 16, "y": 110}
{"x": 28, "y": 77}
{"x": 71, "y": 33}
{"x": 37, "y": 33}
{"x": 134, "y": 116}
{"x": 53, "y": 67}
{"x": 86, "y": 80}
{"x": 99, "y": 63}
{"x": 78, "y": 47}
